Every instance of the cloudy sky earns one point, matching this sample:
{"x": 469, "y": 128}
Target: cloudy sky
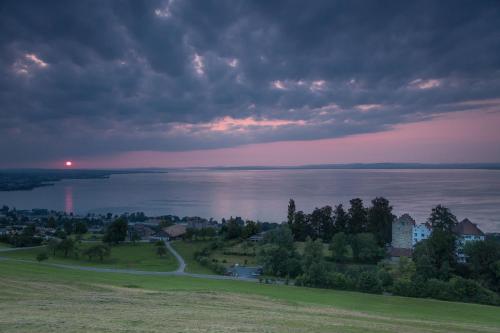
{"x": 199, "y": 83}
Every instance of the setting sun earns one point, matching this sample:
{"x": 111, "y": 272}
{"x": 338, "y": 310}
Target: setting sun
{"x": 69, "y": 163}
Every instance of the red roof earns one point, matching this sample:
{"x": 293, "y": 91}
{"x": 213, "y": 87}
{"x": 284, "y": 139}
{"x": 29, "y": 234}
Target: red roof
{"x": 466, "y": 227}
{"x": 175, "y": 230}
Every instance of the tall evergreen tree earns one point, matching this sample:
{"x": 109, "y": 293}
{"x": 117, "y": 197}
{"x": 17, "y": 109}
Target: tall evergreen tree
{"x": 340, "y": 219}
{"x": 442, "y": 219}
{"x": 291, "y": 212}
{"x": 321, "y": 223}
{"x": 380, "y": 220}
{"x": 357, "y": 217}
{"x": 300, "y": 227}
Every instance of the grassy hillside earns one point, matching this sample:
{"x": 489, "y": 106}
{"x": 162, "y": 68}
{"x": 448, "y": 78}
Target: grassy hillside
{"x": 40, "y": 298}
{"x": 141, "y": 256}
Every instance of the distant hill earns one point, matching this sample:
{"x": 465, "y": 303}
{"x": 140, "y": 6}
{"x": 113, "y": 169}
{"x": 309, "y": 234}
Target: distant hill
{"x": 466, "y": 166}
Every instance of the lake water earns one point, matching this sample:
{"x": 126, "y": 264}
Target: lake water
{"x": 263, "y": 195}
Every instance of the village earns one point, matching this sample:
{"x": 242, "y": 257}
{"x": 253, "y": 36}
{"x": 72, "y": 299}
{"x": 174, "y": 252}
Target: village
{"x": 406, "y": 232}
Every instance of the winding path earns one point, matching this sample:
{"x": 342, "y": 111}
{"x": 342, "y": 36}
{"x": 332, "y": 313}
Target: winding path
{"x": 180, "y": 260}
{"x": 178, "y": 272}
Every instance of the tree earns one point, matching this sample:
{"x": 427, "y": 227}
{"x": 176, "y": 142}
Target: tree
{"x": 161, "y": 250}
{"x": 442, "y": 219}
{"x": 435, "y": 256}
{"x": 41, "y": 256}
{"x": 116, "y": 232}
{"x": 313, "y": 253}
{"x": 251, "y": 228}
{"x": 278, "y": 255}
{"x": 68, "y": 227}
{"x": 357, "y": 220}
{"x": 99, "y": 250}
{"x": 380, "y": 219}
{"x": 233, "y": 228}
{"x": 340, "y": 219}
{"x": 291, "y": 212}
{"x": 80, "y": 228}
{"x": 53, "y": 245}
{"x": 365, "y": 248}
{"x": 300, "y": 227}
{"x": 483, "y": 259}
{"x": 51, "y": 222}
{"x": 369, "y": 283}
{"x": 321, "y": 223}
{"x": 313, "y": 264}
{"x": 134, "y": 236}
{"x": 66, "y": 246}
{"x": 338, "y": 247}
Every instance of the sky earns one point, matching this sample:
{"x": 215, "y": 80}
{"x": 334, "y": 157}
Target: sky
{"x": 217, "y": 83}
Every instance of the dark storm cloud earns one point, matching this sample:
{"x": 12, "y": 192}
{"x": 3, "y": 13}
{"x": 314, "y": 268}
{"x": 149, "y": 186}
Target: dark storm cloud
{"x": 103, "y": 77}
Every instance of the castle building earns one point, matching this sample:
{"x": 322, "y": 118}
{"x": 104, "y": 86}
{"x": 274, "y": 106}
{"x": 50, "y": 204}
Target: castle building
{"x": 421, "y": 232}
{"x": 402, "y": 231}
{"x": 466, "y": 232}
{"x": 402, "y": 236}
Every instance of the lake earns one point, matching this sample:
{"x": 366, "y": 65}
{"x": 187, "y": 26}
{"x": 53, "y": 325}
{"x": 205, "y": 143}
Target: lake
{"x": 264, "y": 194}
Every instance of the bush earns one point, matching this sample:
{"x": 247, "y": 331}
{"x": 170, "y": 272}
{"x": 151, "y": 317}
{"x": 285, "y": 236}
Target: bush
{"x": 438, "y": 289}
{"x": 339, "y": 281}
{"x": 42, "y": 256}
{"x": 403, "y": 287}
{"x": 470, "y": 291}
{"x": 368, "y": 282}
{"x": 385, "y": 278}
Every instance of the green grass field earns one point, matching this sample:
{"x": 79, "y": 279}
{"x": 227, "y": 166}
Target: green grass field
{"x": 187, "y": 250}
{"x": 231, "y": 259}
{"x": 3, "y": 245}
{"x": 39, "y": 298}
{"x": 140, "y": 256}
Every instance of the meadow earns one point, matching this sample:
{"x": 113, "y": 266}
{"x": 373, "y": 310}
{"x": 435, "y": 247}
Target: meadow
{"x": 187, "y": 250}
{"x": 139, "y": 256}
{"x": 39, "y": 298}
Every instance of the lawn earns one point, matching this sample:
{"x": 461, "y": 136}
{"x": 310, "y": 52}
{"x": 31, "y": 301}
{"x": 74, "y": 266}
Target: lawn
{"x": 3, "y": 245}
{"x": 238, "y": 254}
{"x": 187, "y": 250}
{"x": 41, "y": 298}
{"x": 140, "y": 256}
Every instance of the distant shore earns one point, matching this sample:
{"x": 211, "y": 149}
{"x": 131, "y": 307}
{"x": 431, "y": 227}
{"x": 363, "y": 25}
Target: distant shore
{"x": 27, "y": 180}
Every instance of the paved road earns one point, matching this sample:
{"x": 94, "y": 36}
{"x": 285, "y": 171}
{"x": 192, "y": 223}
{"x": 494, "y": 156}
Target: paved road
{"x": 9, "y": 249}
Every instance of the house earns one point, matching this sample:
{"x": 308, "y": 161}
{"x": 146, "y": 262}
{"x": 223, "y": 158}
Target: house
{"x": 141, "y": 229}
{"x": 421, "y": 232}
{"x": 402, "y": 237}
{"x": 256, "y": 238}
{"x": 175, "y": 231}
{"x": 466, "y": 232}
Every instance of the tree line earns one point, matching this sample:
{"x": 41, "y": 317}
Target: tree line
{"x": 432, "y": 271}
{"x": 323, "y": 223}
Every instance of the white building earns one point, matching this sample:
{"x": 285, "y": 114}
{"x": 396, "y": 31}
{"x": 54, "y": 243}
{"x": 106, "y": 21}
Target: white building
{"x": 420, "y": 232}
{"x": 466, "y": 232}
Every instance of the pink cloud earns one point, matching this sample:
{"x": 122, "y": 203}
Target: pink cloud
{"x": 451, "y": 138}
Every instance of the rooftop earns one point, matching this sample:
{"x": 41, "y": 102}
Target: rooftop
{"x": 466, "y": 227}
